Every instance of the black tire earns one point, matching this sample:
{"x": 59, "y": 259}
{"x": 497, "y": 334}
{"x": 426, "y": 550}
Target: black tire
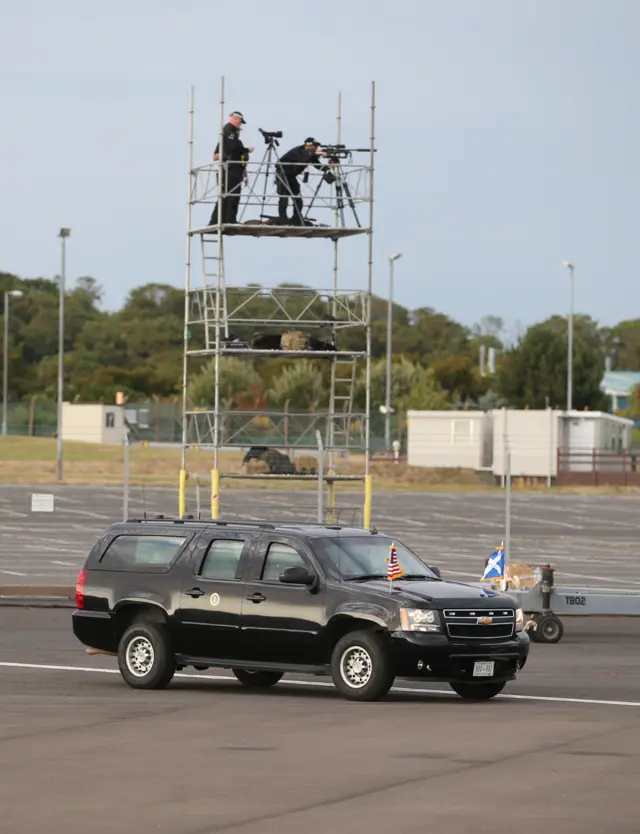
{"x": 549, "y": 629}
{"x": 257, "y": 678}
{"x": 478, "y": 691}
{"x": 352, "y": 681}
{"x": 148, "y": 639}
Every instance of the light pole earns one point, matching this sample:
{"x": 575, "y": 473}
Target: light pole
{"x": 387, "y": 398}
{"x": 5, "y": 356}
{"x": 63, "y": 235}
{"x": 571, "y": 269}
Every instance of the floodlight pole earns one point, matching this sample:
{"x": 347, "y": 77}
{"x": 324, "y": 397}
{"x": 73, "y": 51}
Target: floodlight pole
{"x": 571, "y": 269}
{"x": 387, "y": 399}
{"x": 63, "y": 235}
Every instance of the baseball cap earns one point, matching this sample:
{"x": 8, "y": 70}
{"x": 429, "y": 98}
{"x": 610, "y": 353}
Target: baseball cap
{"x": 238, "y": 113}
{"x": 311, "y": 141}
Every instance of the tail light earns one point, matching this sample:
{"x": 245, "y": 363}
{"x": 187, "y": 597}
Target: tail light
{"x": 82, "y": 578}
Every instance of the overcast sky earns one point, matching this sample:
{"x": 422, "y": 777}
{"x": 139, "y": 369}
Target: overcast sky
{"x": 507, "y": 133}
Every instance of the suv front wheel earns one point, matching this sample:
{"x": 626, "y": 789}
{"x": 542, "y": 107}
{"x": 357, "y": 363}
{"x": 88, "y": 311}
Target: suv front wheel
{"x": 145, "y": 657}
{"x": 360, "y": 667}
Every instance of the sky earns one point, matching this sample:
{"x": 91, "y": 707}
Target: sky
{"x": 506, "y": 136}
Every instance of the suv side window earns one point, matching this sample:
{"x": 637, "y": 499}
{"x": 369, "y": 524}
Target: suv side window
{"x": 280, "y": 557}
{"x": 146, "y": 554}
{"x": 222, "y": 559}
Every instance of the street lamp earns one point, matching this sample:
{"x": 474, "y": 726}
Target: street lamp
{"x": 5, "y": 356}
{"x": 387, "y": 399}
{"x": 63, "y": 235}
{"x": 571, "y": 269}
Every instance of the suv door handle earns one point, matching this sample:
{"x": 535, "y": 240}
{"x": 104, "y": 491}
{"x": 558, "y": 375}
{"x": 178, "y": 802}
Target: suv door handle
{"x": 195, "y": 592}
{"x": 257, "y": 597}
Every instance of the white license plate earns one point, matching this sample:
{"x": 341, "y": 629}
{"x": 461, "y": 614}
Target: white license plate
{"x": 483, "y": 670}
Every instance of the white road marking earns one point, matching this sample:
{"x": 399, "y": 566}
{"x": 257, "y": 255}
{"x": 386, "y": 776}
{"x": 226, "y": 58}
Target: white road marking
{"x": 327, "y": 685}
{"x": 13, "y": 573}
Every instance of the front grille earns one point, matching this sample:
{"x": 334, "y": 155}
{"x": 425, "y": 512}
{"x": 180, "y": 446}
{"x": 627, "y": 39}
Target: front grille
{"x": 466, "y": 624}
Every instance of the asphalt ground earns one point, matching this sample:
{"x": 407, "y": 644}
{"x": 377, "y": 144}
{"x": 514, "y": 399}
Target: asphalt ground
{"x": 591, "y": 540}
{"x": 80, "y": 751}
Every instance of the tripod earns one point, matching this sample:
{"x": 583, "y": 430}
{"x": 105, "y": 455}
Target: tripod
{"x": 269, "y": 158}
{"x": 342, "y": 188}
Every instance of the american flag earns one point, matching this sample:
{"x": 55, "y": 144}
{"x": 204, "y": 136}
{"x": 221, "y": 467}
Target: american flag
{"x": 394, "y": 571}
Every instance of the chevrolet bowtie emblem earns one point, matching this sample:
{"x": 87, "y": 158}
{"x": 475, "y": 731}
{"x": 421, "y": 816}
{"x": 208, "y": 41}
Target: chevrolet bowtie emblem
{"x": 485, "y": 620}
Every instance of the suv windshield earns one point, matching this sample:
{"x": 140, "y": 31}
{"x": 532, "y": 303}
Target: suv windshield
{"x": 365, "y": 557}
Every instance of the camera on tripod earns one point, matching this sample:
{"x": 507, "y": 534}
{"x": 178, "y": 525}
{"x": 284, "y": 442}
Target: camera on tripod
{"x": 271, "y": 136}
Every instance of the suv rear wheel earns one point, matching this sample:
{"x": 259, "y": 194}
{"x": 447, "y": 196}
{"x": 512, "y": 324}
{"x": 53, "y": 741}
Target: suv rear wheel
{"x": 360, "y": 667}
{"x": 478, "y": 692}
{"x": 145, "y": 657}
{"x": 257, "y": 678}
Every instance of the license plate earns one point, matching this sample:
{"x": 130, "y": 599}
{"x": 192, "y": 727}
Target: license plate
{"x": 483, "y": 670}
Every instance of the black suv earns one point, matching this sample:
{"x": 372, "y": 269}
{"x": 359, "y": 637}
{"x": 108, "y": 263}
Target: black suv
{"x": 264, "y": 599}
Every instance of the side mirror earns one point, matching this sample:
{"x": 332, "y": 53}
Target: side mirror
{"x": 297, "y": 576}
{"x": 435, "y": 570}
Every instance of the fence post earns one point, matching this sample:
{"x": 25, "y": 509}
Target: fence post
{"x": 125, "y": 502}
{"x": 320, "y": 478}
{"x": 507, "y": 519}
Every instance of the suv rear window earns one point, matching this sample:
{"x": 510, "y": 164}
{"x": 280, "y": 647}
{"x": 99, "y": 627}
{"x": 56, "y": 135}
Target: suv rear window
{"x": 151, "y": 554}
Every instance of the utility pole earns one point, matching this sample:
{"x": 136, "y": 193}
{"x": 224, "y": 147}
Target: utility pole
{"x": 387, "y": 399}
{"x": 5, "y": 357}
{"x": 571, "y": 269}
{"x": 63, "y": 235}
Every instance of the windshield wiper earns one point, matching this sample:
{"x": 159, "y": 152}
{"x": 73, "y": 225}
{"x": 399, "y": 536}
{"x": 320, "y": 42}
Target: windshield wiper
{"x": 419, "y": 576}
{"x": 364, "y": 576}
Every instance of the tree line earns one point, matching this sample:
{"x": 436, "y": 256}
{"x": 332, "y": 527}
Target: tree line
{"x": 138, "y": 349}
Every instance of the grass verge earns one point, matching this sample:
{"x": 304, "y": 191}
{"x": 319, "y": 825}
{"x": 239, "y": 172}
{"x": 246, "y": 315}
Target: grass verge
{"x": 32, "y": 460}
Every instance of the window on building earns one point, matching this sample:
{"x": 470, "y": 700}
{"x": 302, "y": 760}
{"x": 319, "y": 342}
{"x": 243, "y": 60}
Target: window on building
{"x": 461, "y": 431}
{"x": 110, "y": 419}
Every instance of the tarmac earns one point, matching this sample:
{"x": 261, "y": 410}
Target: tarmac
{"x": 591, "y": 540}
{"x": 559, "y": 752}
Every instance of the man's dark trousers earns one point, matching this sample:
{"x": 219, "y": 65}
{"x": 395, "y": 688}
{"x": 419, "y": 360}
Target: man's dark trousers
{"x": 231, "y": 187}
{"x": 287, "y": 185}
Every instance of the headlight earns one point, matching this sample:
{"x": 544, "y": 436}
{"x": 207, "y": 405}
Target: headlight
{"x": 419, "y": 619}
{"x": 519, "y": 619}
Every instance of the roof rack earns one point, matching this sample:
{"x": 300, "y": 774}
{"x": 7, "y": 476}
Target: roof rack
{"x": 269, "y": 525}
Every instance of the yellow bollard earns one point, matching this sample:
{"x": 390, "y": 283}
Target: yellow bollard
{"x": 182, "y": 493}
{"x": 215, "y": 493}
{"x": 368, "y": 491}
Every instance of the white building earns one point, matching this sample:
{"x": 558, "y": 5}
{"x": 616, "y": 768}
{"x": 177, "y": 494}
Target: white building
{"x": 92, "y": 423}
{"x": 443, "y": 439}
{"x": 478, "y": 440}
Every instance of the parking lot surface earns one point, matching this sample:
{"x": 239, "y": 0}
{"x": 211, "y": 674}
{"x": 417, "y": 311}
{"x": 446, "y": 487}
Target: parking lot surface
{"x": 81, "y": 751}
{"x": 591, "y": 540}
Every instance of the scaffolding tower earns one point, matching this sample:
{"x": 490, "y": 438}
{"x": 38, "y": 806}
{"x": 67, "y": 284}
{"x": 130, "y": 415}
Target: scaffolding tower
{"x": 330, "y": 325}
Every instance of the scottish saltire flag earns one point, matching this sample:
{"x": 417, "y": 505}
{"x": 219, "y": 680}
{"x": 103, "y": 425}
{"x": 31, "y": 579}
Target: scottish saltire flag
{"x": 495, "y": 565}
{"x": 394, "y": 571}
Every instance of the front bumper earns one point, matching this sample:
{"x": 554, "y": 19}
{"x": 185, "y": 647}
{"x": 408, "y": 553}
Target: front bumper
{"x": 420, "y": 656}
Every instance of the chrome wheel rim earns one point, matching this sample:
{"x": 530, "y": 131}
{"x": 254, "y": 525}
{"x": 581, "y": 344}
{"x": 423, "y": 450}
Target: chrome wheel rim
{"x": 356, "y": 667}
{"x": 140, "y": 656}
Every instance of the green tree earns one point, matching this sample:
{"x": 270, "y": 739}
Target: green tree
{"x": 237, "y": 379}
{"x": 301, "y": 385}
{"x": 412, "y": 387}
{"x": 534, "y": 372}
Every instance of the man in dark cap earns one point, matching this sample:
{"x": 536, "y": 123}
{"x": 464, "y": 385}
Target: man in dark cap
{"x": 288, "y": 168}
{"x": 234, "y": 159}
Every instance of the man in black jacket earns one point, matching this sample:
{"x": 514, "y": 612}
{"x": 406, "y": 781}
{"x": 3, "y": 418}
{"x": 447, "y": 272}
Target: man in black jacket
{"x": 288, "y": 167}
{"x": 234, "y": 159}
